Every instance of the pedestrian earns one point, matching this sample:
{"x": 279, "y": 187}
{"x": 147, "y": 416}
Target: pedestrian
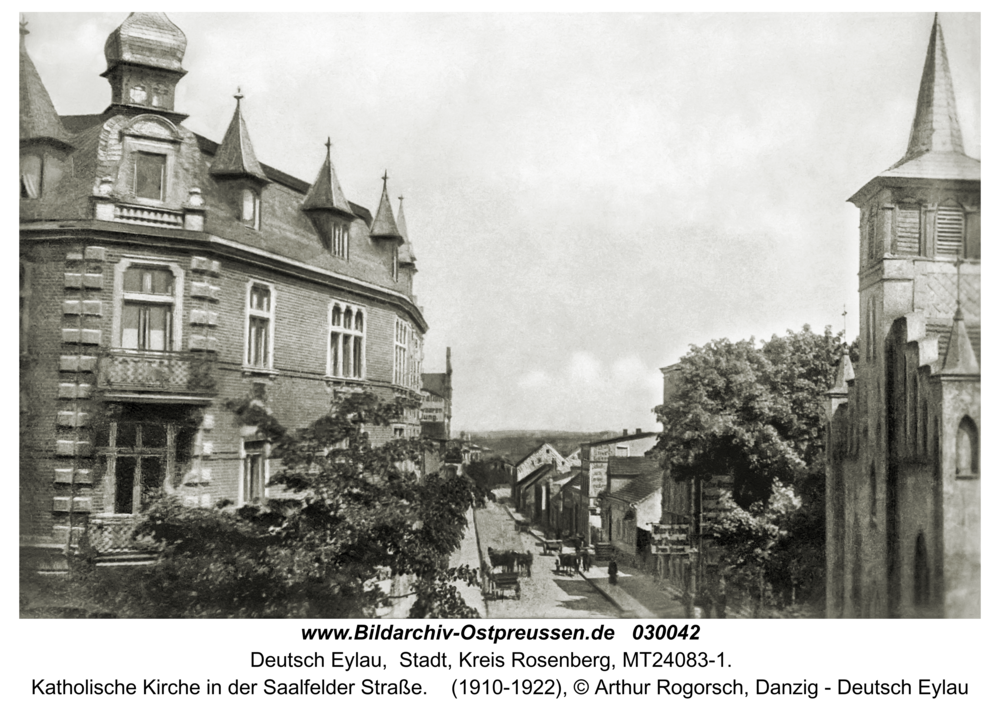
{"x": 576, "y": 545}
{"x": 720, "y": 600}
{"x": 528, "y": 557}
{"x": 613, "y": 572}
{"x": 586, "y": 560}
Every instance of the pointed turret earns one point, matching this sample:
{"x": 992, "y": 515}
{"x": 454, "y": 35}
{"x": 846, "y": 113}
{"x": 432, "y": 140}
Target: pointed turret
{"x": 38, "y": 118}
{"x": 935, "y": 124}
{"x": 384, "y": 225}
{"x": 144, "y": 57}
{"x": 235, "y": 156}
{"x": 407, "y": 258}
{"x": 325, "y": 194}
{"x": 845, "y": 374}
{"x": 960, "y": 357}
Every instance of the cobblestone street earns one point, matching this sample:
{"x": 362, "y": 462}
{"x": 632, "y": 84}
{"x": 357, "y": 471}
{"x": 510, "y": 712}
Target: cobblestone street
{"x": 545, "y": 594}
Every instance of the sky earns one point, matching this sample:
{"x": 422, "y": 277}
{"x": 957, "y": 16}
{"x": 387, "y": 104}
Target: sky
{"x": 586, "y": 194}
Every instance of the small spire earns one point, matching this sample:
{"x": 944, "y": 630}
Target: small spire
{"x": 384, "y": 225}
{"x": 935, "y": 123}
{"x": 406, "y": 254}
{"x": 845, "y": 373}
{"x": 235, "y": 156}
{"x": 325, "y": 193}
{"x": 37, "y": 114}
{"x": 960, "y": 357}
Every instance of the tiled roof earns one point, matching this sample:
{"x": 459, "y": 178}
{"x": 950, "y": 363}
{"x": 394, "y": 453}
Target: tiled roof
{"x": 38, "y": 117}
{"x": 235, "y": 155}
{"x": 947, "y": 166}
{"x": 625, "y": 466}
{"x": 384, "y": 225}
{"x": 436, "y": 384}
{"x": 146, "y": 38}
{"x": 935, "y": 123}
{"x": 639, "y": 488}
{"x": 326, "y": 193}
{"x": 536, "y": 475}
{"x": 626, "y": 437}
{"x": 943, "y": 332}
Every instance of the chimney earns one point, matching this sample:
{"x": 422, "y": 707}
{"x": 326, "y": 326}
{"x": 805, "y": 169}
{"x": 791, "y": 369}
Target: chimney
{"x": 624, "y": 431}
{"x": 638, "y": 431}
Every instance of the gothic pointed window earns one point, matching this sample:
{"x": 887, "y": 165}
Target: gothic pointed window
{"x": 967, "y": 448}
{"x": 31, "y": 176}
{"x": 250, "y": 208}
{"x": 340, "y": 240}
{"x": 347, "y": 341}
{"x": 921, "y": 573}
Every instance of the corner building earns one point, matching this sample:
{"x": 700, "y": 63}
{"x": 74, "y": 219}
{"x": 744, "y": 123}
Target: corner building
{"x": 903, "y": 470}
{"x": 169, "y": 284}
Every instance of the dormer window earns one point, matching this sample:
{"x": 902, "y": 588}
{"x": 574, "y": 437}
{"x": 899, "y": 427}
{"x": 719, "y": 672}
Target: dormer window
{"x": 395, "y": 264}
{"x": 250, "y": 211}
{"x": 150, "y": 175}
{"x": 340, "y": 239}
{"x": 31, "y": 176}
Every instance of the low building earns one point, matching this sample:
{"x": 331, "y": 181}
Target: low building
{"x": 594, "y": 457}
{"x": 629, "y": 514}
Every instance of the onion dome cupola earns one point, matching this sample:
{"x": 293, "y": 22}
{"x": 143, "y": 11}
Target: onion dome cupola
{"x": 328, "y": 208}
{"x": 384, "y": 226}
{"x": 144, "y": 57}
{"x": 407, "y": 258}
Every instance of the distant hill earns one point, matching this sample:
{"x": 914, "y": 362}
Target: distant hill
{"x": 514, "y": 445}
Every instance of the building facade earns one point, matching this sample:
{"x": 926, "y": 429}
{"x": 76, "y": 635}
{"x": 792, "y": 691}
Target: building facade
{"x": 903, "y": 473}
{"x": 170, "y": 285}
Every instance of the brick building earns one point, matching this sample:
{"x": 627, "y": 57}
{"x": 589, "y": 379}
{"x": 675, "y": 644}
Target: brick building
{"x": 168, "y": 281}
{"x": 903, "y": 488}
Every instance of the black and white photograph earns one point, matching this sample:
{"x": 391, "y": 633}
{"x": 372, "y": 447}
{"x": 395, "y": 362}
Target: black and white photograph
{"x": 499, "y": 316}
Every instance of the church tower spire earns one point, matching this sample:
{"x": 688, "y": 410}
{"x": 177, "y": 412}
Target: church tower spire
{"x": 935, "y": 123}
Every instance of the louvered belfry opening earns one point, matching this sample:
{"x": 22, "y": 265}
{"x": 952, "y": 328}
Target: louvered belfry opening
{"x": 950, "y": 230}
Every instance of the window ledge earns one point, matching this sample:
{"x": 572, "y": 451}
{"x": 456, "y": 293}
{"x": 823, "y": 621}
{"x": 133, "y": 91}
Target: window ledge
{"x": 967, "y": 476}
{"x": 259, "y": 371}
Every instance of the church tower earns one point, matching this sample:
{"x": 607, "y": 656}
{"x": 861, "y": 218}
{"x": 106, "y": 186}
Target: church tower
{"x": 902, "y": 511}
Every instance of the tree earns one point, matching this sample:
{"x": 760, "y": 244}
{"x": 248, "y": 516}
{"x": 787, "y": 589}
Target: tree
{"x": 353, "y": 516}
{"x": 755, "y": 412}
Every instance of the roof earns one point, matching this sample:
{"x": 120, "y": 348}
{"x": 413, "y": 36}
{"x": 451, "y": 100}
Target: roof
{"x": 38, "y": 117}
{"x": 631, "y": 466}
{"x": 537, "y": 475}
{"x": 943, "y": 332}
{"x": 639, "y": 489}
{"x": 146, "y": 38}
{"x": 406, "y": 254}
{"x": 845, "y": 373}
{"x": 436, "y": 384}
{"x": 325, "y": 192}
{"x": 384, "y": 225}
{"x": 935, "y": 122}
{"x": 573, "y": 473}
{"x": 235, "y": 155}
{"x": 626, "y": 437}
{"x": 935, "y": 149}
{"x": 535, "y": 450}
{"x": 959, "y": 357}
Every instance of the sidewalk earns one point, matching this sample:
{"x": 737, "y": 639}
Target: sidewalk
{"x": 638, "y": 595}
{"x": 468, "y": 554}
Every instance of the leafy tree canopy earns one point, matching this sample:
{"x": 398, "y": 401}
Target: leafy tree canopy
{"x": 350, "y": 517}
{"x": 753, "y": 411}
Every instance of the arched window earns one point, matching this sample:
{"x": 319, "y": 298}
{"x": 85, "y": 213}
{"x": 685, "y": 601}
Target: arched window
{"x": 870, "y": 346}
{"x": 347, "y": 341}
{"x": 31, "y": 176}
{"x": 967, "y": 448}
{"x": 921, "y": 574}
{"x": 250, "y": 212}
